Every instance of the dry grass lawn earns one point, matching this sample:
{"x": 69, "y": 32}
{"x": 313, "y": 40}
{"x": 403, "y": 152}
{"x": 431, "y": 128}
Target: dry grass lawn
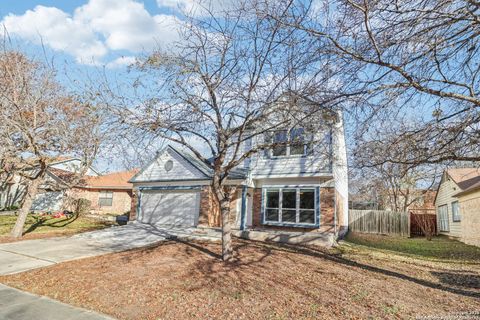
{"x": 45, "y": 226}
{"x": 176, "y": 280}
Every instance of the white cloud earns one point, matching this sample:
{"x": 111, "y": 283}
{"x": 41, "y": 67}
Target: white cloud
{"x": 121, "y": 62}
{"x": 186, "y": 5}
{"x": 58, "y": 30}
{"x": 95, "y": 29}
{"x": 195, "y": 7}
{"x": 127, "y": 25}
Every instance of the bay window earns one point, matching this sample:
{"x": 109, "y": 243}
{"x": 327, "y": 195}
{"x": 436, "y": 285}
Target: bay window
{"x": 290, "y": 206}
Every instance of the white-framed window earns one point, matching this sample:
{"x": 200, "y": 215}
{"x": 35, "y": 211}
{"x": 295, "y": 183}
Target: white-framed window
{"x": 291, "y": 142}
{"x": 443, "y": 218}
{"x": 105, "y": 198}
{"x": 290, "y": 205}
{"x": 456, "y": 217}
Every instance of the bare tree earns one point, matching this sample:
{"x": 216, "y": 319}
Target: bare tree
{"x": 426, "y": 223}
{"x": 415, "y": 62}
{"x": 40, "y": 121}
{"x": 234, "y": 77}
{"x": 398, "y": 186}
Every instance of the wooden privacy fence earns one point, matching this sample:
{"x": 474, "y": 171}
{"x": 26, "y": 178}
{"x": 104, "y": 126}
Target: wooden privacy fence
{"x": 379, "y": 222}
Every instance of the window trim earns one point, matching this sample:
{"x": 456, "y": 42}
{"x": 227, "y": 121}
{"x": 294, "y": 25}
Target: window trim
{"x": 458, "y": 217}
{"x": 100, "y": 198}
{"x": 316, "y": 210}
{"x": 446, "y": 220}
{"x": 306, "y": 144}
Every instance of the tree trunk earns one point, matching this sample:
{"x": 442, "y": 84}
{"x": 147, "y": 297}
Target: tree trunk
{"x": 227, "y": 248}
{"x": 31, "y": 193}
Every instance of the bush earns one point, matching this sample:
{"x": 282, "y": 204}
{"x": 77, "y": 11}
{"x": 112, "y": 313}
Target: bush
{"x": 81, "y": 206}
{"x": 10, "y": 208}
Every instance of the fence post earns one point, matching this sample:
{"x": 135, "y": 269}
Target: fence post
{"x": 409, "y": 224}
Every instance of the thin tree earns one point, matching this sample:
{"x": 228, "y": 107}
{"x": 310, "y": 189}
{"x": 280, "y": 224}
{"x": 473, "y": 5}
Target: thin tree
{"x": 40, "y": 122}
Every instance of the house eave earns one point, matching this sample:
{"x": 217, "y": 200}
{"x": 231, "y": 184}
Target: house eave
{"x": 105, "y": 187}
{"x": 294, "y": 175}
{"x": 182, "y": 180}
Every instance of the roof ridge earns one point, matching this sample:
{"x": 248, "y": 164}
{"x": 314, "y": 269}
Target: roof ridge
{"x": 186, "y": 156}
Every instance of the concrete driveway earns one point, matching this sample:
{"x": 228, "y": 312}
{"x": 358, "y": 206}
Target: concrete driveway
{"x": 20, "y": 305}
{"x": 30, "y": 254}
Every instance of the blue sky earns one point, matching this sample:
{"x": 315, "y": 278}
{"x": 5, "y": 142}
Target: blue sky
{"x": 83, "y": 36}
{"x": 93, "y": 32}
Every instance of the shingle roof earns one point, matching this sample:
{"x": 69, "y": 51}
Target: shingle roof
{"x": 114, "y": 180}
{"x": 64, "y": 175}
{"x": 465, "y": 177}
{"x": 472, "y": 188}
{"x": 206, "y": 168}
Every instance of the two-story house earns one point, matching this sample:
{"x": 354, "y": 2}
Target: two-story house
{"x": 296, "y": 186}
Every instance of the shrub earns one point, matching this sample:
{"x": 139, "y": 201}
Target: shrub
{"x": 81, "y": 206}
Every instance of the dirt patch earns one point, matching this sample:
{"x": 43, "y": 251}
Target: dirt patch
{"x": 186, "y": 280}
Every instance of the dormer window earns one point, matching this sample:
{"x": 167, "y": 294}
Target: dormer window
{"x": 289, "y": 143}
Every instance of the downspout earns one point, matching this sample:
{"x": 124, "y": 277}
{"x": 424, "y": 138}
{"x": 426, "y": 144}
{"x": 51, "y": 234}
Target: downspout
{"x": 335, "y": 213}
{"x": 244, "y": 208}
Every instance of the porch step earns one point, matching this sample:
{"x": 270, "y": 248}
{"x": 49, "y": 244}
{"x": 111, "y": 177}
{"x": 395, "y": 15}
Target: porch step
{"x": 303, "y": 238}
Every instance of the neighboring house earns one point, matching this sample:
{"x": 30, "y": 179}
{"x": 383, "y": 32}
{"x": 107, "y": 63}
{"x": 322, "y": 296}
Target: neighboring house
{"x": 11, "y": 192}
{"x": 469, "y": 200}
{"x": 298, "y": 187}
{"x": 424, "y": 202}
{"x": 448, "y": 203}
{"x": 109, "y": 193}
{"x": 418, "y": 201}
{"x": 52, "y": 191}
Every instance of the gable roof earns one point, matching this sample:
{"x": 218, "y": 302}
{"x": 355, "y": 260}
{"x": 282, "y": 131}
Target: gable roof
{"x": 464, "y": 177}
{"x": 204, "y": 168}
{"x": 207, "y": 168}
{"x": 62, "y": 175}
{"x": 193, "y": 160}
{"x": 114, "y": 180}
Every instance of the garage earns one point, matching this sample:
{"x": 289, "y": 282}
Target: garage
{"x": 170, "y": 207}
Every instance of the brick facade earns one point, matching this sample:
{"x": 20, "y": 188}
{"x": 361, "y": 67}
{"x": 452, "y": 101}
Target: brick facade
{"x": 327, "y": 213}
{"x": 209, "y": 215}
{"x": 133, "y": 207}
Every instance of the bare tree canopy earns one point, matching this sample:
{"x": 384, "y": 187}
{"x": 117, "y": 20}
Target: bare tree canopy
{"x": 412, "y": 64}
{"x": 40, "y": 122}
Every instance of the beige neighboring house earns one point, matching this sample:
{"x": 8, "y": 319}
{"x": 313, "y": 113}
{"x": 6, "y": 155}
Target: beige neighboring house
{"x": 469, "y": 200}
{"x": 109, "y": 193}
{"x": 455, "y": 203}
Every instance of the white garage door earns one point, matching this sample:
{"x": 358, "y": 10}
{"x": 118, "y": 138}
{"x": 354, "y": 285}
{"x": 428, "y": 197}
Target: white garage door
{"x": 174, "y": 208}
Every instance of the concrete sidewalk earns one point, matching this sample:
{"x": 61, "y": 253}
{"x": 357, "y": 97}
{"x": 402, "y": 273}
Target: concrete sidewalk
{"x": 31, "y": 254}
{"x": 20, "y": 305}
